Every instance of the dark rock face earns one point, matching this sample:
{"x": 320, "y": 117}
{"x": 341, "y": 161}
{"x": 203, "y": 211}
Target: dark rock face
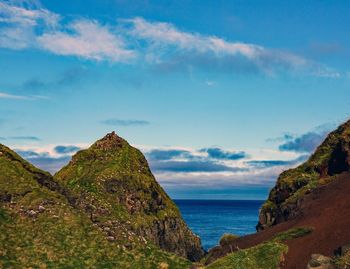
{"x": 331, "y": 158}
{"x": 112, "y": 182}
{"x": 171, "y": 234}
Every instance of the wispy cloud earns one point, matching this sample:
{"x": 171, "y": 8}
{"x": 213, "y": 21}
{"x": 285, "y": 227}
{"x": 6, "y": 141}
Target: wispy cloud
{"x": 18, "y": 22}
{"x": 165, "y": 37}
{"x": 273, "y": 163}
{"x": 32, "y": 138}
{"x": 4, "y": 95}
{"x": 70, "y": 149}
{"x": 87, "y": 39}
{"x": 167, "y": 154}
{"x": 307, "y": 142}
{"x": 26, "y": 24}
{"x": 50, "y": 158}
{"x": 191, "y": 166}
{"x": 12, "y": 96}
{"x": 217, "y": 153}
{"x": 121, "y": 122}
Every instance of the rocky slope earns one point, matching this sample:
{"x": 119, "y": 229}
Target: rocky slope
{"x": 112, "y": 183}
{"x": 325, "y": 210}
{"x": 40, "y": 227}
{"x": 312, "y": 197}
{"x": 330, "y": 159}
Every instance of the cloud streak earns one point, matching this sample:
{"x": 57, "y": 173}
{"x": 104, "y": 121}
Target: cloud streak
{"x": 121, "y": 122}
{"x": 4, "y": 95}
{"x": 30, "y": 138}
{"x": 167, "y": 39}
{"x": 305, "y": 143}
{"x": 217, "y": 153}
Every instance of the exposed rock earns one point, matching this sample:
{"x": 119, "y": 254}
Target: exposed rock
{"x": 110, "y": 238}
{"x": 32, "y": 213}
{"x": 319, "y": 261}
{"x": 163, "y": 265}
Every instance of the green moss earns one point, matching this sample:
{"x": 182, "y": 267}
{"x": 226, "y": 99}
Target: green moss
{"x": 293, "y": 233}
{"x": 263, "y": 256}
{"x": 268, "y": 205}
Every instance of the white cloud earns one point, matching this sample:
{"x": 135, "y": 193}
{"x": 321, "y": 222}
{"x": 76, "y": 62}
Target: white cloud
{"x": 4, "y": 95}
{"x": 11, "y": 96}
{"x": 26, "y": 24}
{"x": 161, "y": 34}
{"x": 165, "y": 36}
{"x": 18, "y": 23}
{"x": 89, "y": 40}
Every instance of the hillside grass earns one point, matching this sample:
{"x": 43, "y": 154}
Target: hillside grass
{"x": 267, "y": 255}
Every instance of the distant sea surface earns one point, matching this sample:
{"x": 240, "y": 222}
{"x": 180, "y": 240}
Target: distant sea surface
{"x": 210, "y": 219}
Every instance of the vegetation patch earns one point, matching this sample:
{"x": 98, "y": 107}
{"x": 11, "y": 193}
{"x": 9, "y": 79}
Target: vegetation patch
{"x": 293, "y": 233}
{"x": 263, "y": 256}
{"x": 227, "y": 239}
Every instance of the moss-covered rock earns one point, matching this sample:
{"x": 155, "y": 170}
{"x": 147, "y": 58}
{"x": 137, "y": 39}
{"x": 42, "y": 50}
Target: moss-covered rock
{"x": 41, "y": 228}
{"x": 112, "y": 183}
{"x": 331, "y": 158}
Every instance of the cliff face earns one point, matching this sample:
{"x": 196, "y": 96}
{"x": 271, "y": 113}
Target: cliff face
{"x": 112, "y": 183}
{"x": 330, "y": 159}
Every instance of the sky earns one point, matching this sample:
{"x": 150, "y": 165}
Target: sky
{"x": 220, "y": 96}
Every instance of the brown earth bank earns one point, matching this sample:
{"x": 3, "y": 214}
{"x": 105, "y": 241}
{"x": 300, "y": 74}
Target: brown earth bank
{"x": 326, "y": 209}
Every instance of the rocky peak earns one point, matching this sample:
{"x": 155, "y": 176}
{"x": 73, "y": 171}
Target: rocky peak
{"x": 109, "y": 141}
{"x": 113, "y": 182}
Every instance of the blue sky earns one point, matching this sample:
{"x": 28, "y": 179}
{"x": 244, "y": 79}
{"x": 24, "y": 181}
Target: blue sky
{"x": 221, "y": 96}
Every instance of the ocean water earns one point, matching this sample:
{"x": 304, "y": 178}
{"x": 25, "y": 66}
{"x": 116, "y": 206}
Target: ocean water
{"x": 210, "y": 219}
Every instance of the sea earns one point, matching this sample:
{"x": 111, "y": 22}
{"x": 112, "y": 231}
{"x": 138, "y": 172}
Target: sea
{"x": 210, "y": 219}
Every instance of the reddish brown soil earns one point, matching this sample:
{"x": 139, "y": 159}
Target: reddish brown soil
{"x": 327, "y": 210}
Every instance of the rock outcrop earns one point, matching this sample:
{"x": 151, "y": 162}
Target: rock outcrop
{"x": 112, "y": 183}
{"x": 330, "y": 159}
{"x": 319, "y": 261}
